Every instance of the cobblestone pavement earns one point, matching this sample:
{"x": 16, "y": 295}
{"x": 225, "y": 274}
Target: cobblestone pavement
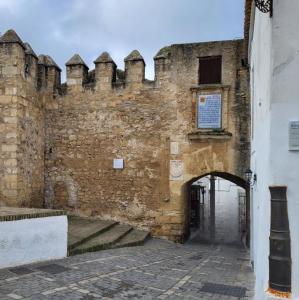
{"x": 158, "y": 270}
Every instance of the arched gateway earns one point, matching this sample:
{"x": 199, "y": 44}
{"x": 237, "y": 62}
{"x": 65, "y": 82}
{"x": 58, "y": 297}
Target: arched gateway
{"x": 183, "y": 191}
{"x": 217, "y": 207}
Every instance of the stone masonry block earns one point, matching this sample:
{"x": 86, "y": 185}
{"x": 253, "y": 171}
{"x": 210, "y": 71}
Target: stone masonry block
{"x": 11, "y": 120}
{"x": 10, "y": 162}
{"x": 5, "y": 99}
{"x": 9, "y": 148}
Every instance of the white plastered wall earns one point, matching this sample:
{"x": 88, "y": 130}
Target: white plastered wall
{"x": 31, "y": 240}
{"x": 274, "y": 65}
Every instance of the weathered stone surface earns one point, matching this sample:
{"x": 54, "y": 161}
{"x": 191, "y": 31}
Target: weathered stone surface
{"x": 104, "y": 58}
{"x": 70, "y": 134}
{"x": 10, "y": 36}
{"x": 75, "y": 60}
{"x": 21, "y": 122}
{"x": 47, "y": 60}
{"x": 29, "y": 50}
{"x": 134, "y": 55}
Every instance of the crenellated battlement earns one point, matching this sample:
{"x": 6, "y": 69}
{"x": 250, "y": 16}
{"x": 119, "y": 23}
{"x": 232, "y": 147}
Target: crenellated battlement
{"x": 48, "y": 73}
{"x": 105, "y": 76}
{"x": 19, "y": 60}
{"x": 44, "y": 74}
{"x": 105, "y": 71}
{"x": 31, "y": 64}
{"x": 76, "y": 71}
{"x": 12, "y": 55}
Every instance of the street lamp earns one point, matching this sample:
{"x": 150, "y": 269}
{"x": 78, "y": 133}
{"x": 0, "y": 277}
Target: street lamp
{"x": 265, "y": 6}
{"x": 251, "y": 180}
{"x": 248, "y": 175}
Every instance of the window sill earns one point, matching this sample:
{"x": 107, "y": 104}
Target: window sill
{"x": 210, "y": 135}
{"x": 210, "y": 87}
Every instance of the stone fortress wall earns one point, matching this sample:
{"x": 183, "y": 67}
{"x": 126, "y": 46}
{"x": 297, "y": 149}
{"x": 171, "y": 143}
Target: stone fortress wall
{"x": 58, "y": 141}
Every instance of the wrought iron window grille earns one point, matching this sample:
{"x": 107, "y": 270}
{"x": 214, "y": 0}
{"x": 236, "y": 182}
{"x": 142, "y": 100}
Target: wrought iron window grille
{"x": 265, "y": 6}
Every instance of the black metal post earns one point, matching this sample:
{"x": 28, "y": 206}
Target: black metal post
{"x": 280, "y": 265}
{"x": 212, "y": 207}
{"x": 247, "y": 218}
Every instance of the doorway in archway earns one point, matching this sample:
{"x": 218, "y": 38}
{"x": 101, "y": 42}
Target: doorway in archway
{"x": 217, "y": 209}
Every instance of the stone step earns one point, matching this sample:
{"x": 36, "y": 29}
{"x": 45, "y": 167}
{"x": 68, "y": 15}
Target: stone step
{"x": 81, "y": 230}
{"x": 134, "y": 238}
{"x": 103, "y": 241}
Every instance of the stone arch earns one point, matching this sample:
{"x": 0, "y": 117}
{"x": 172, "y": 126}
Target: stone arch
{"x": 225, "y": 175}
{"x": 241, "y": 182}
{"x": 63, "y": 180}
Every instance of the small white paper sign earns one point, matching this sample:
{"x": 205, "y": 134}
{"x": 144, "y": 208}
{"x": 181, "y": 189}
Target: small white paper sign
{"x": 118, "y": 163}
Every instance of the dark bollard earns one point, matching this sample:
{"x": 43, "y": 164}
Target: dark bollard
{"x": 280, "y": 264}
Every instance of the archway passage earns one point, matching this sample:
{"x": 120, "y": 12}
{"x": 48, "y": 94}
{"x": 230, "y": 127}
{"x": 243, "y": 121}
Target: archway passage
{"x": 217, "y": 209}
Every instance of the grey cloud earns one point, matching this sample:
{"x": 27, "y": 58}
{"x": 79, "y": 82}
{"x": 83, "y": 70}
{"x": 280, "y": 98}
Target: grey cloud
{"x": 89, "y": 27}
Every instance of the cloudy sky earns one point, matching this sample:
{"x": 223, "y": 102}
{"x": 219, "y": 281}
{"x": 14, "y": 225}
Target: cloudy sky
{"x": 61, "y": 28}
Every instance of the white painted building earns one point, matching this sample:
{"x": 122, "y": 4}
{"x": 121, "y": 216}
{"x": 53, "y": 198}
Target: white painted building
{"x": 273, "y": 52}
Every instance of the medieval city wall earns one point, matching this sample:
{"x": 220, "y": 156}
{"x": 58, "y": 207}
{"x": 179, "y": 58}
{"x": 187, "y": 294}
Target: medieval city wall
{"x": 141, "y": 121}
{"x": 72, "y": 133}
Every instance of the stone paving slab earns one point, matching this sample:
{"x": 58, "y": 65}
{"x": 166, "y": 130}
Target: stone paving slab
{"x": 134, "y": 238}
{"x": 157, "y": 270}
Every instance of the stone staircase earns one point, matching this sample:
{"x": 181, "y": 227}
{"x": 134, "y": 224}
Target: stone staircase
{"x": 90, "y": 234}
